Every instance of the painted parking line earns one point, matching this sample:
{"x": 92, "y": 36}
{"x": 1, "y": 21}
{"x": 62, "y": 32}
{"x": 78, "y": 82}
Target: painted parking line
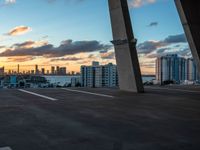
{"x": 39, "y": 95}
{"x": 172, "y": 89}
{"x": 90, "y": 93}
{"x": 5, "y": 148}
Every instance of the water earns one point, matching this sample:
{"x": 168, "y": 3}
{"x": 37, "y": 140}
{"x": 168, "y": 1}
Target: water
{"x": 65, "y": 80}
{"x": 60, "y": 80}
{"x": 147, "y": 78}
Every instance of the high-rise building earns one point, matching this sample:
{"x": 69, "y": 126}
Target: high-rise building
{"x": 18, "y": 69}
{"x": 174, "y": 68}
{"x": 87, "y": 76}
{"x": 32, "y": 72}
{"x": 99, "y": 75}
{"x": 62, "y": 71}
{"x": 36, "y": 70}
{"x": 106, "y": 76}
{"x": 43, "y": 71}
{"x": 75, "y": 81}
{"x": 73, "y": 73}
{"x": 110, "y": 75}
{"x": 57, "y": 70}
{"x": 95, "y": 63}
{"x": 52, "y": 70}
{"x": 2, "y": 69}
{"x": 191, "y": 72}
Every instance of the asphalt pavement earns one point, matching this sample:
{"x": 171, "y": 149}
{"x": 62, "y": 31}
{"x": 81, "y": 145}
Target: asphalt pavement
{"x": 166, "y": 118}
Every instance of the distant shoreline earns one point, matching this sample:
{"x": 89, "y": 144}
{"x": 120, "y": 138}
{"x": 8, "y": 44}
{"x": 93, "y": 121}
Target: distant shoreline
{"x": 149, "y": 75}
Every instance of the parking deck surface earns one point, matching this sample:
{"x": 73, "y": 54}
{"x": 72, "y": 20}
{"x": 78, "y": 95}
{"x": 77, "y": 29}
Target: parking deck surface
{"x": 100, "y": 119}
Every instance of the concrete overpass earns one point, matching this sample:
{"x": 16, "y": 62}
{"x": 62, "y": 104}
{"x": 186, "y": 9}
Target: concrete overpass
{"x": 125, "y": 43}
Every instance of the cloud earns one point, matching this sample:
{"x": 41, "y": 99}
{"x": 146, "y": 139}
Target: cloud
{"x": 162, "y": 50}
{"x": 1, "y": 38}
{"x": 150, "y": 46}
{"x": 67, "y": 47}
{"x": 8, "y": 2}
{"x": 139, "y": 3}
{"x": 153, "y": 24}
{"x": 67, "y": 59}
{"x": 91, "y": 56}
{"x": 180, "y": 38}
{"x": 148, "y": 63}
{"x": 108, "y": 55}
{"x": 103, "y": 51}
{"x": 29, "y": 44}
{"x": 132, "y": 3}
{"x": 183, "y": 50}
{"x": 19, "y": 30}
{"x": 2, "y": 47}
{"x": 20, "y": 59}
{"x": 51, "y": 1}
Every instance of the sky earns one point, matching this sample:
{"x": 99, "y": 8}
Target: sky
{"x": 72, "y": 33}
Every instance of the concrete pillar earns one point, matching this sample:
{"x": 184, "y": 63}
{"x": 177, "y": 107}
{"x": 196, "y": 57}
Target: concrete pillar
{"x": 189, "y": 11}
{"x": 125, "y": 47}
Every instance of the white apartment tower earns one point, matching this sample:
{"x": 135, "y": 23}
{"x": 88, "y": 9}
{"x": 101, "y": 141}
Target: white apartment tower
{"x": 99, "y": 75}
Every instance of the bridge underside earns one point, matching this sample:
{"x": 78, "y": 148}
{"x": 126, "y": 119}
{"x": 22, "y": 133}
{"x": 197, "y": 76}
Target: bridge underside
{"x": 189, "y": 12}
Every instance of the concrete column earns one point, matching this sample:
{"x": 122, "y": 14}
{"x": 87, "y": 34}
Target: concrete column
{"x": 189, "y": 11}
{"x": 125, "y": 47}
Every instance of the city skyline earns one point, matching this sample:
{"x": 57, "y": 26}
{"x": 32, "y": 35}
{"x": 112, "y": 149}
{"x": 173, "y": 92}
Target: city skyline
{"x": 36, "y": 70}
{"x": 66, "y": 33}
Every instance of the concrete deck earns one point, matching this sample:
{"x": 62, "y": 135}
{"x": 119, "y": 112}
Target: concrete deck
{"x": 160, "y": 119}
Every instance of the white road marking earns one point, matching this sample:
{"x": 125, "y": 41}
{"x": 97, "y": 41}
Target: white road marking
{"x": 5, "y": 148}
{"x": 39, "y": 95}
{"x": 90, "y": 93}
{"x": 172, "y": 89}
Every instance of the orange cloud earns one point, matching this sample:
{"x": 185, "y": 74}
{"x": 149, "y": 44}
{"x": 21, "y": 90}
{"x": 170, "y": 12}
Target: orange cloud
{"x": 19, "y": 30}
{"x": 30, "y": 44}
{"x": 108, "y": 55}
{"x": 20, "y": 59}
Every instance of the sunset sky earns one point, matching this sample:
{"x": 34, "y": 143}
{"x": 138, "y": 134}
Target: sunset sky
{"x": 75, "y": 32}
